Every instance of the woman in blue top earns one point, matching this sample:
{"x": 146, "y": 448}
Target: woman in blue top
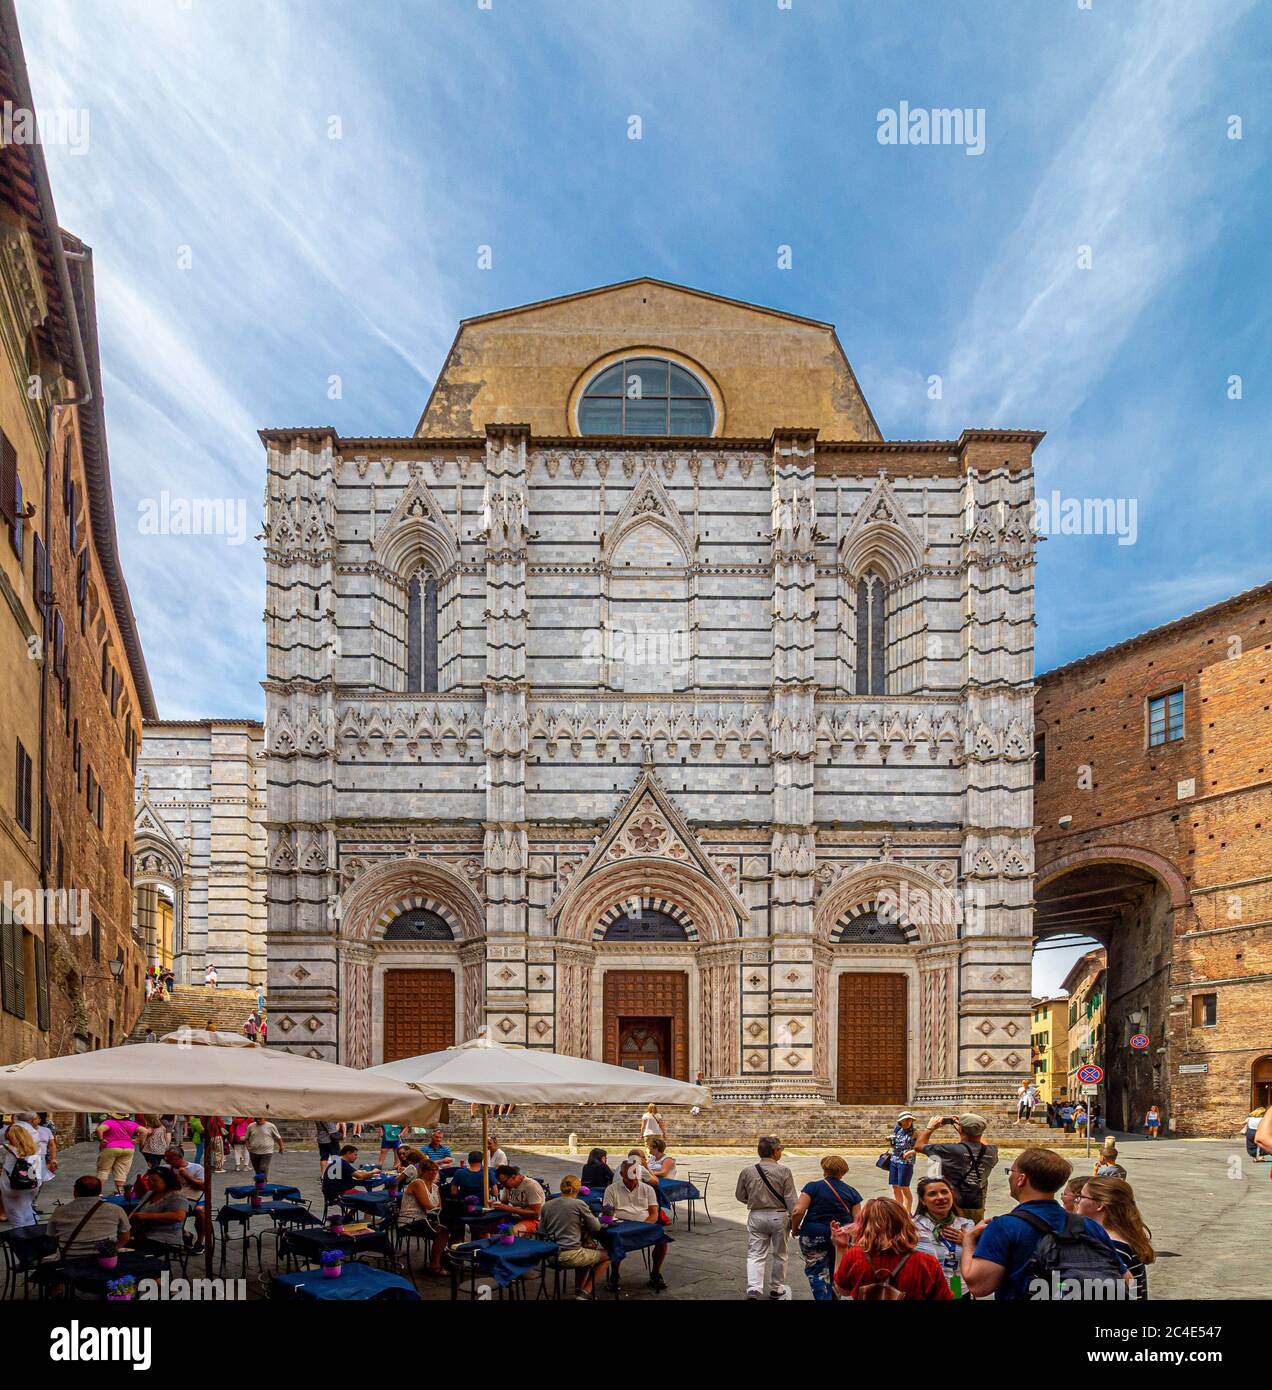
{"x": 829, "y": 1201}
{"x": 901, "y": 1159}
{"x": 390, "y": 1143}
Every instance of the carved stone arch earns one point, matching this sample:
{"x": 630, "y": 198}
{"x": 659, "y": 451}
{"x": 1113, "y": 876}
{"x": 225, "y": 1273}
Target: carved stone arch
{"x": 159, "y": 862}
{"x": 925, "y": 902}
{"x": 583, "y": 905}
{"x": 417, "y": 533}
{"x": 386, "y": 890}
{"x": 1162, "y": 869}
{"x": 881, "y": 537}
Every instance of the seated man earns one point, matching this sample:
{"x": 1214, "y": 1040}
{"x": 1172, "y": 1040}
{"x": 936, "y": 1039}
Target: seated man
{"x": 523, "y": 1199}
{"x": 80, "y": 1224}
{"x": 190, "y": 1185}
{"x": 629, "y": 1198}
{"x": 159, "y": 1221}
{"x": 567, "y": 1220}
{"x": 458, "y": 1183}
{"x": 438, "y": 1151}
{"x": 342, "y": 1173}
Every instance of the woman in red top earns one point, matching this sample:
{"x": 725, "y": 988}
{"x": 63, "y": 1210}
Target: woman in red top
{"x": 885, "y": 1252}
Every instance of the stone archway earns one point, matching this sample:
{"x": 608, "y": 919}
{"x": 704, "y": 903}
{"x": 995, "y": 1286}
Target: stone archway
{"x": 373, "y": 902}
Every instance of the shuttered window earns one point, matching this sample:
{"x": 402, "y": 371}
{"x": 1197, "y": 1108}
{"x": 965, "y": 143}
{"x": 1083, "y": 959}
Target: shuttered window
{"x": 22, "y": 798}
{"x": 8, "y": 480}
{"x": 42, "y": 985}
{"x": 12, "y": 966}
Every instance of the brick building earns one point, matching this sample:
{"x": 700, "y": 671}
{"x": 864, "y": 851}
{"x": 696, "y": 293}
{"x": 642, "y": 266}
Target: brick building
{"x": 73, "y": 682}
{"x": 1152, "y": 810}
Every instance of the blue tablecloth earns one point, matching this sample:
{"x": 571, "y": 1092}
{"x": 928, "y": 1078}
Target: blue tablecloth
{"x": 283, "y": 1190}
{"x": 119, "y": 1200}
{"x": 356, "y": 1281}
{"x": 675, "y": 1190}
{"x": 245, "y": 1211}
{"x": 623, "y": 1237}
{"x": 593, "y": 1200}
{"x": 88, "y": 1274}
{"x": 507, "y": 1263}
{"x": 311, "y": 1243}
{"x": 373, "y": 1203}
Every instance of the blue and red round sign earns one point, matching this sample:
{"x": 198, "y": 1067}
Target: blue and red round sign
{"x": 1139, "y": 1042}
{"x": 1091, "y": 1075}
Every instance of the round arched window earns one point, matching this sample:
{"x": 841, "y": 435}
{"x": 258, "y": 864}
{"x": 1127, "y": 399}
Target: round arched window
{"x": 645, "y": 395}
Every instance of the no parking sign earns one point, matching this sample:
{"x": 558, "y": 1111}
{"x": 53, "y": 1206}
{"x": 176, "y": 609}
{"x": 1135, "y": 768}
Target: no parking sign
{"x": 1091, "y": 1075}
{"x": 1139, "y": 1042}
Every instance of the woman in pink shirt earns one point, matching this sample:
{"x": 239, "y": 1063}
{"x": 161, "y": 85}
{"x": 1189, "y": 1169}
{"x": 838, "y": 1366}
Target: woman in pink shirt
{"x": 239, "y": 1126}
{"x": 119, "y": 1136}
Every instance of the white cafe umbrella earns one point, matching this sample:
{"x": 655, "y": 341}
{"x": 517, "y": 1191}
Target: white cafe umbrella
{"x": 484, "y": 1072}
{"x": 196, "y": 1072}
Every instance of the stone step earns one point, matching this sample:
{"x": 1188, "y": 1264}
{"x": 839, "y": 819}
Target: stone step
{"x": 195, "y": 1006}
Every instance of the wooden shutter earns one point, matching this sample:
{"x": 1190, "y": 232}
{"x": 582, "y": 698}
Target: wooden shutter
{"x": 42, "y": 984}
{"x": 12, "y": 979}
{"x": 8, "y": 480}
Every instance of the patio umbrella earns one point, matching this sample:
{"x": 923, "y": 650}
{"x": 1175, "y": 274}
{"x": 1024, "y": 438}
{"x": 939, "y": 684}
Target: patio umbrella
{"x": 484, "y": 1072}
{"x": 196, "y": 1072}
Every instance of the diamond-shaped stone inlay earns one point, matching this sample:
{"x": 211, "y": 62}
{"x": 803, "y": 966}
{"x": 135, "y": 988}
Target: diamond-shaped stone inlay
{"x": 755, "y": 981}
{"x": 506, "y": 1026}
{"x": 984, "y": 1059}
{"x": 313, "y": 1024}
{"x": 315, "y": 1054}
{"x": 793, "y": 1059}
{"x": 541, "y": 978}
{"x": 755, "y": 1061}
{"x": 541, "y": 1027}
{"x": 1012, "y": 1059}
{"x": 299, "y": 974}
{"x": 998, "y": 977}
{"x": 755, "y": 1028}
{"x": 984, "y": 1027}
{"x": 792, "y": 976}
{"x": 1012, "y": 1028}
{"x": 286, "y": 1024}
{"x": 505, "y": 974}
{"x": 796, "y": 1027}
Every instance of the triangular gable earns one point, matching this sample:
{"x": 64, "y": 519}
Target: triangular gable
{"x": 881, "y": 529}
{"x": 648, "y": 825}
{"x": 418, "y": 525}
{"x": 150, "y": 826}
{"x": 649, "y": 501}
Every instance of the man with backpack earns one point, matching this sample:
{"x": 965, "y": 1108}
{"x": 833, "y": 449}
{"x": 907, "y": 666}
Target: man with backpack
{"x": 1038, "y": 1250}
{"x": 965, "y": 1164}
{"x": 767, "y": 1190}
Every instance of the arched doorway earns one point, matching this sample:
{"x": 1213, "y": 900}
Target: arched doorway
{"x": 1261, "y": 1083}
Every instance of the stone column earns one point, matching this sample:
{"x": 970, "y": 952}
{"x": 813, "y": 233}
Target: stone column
{"x": 505, "y": 536}
{"x": 792, "y": 975}
{"x": 997, "y": 851}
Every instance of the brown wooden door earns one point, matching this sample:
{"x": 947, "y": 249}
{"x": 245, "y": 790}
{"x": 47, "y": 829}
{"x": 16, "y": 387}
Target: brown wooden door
{"x": 650, "y": 999}
{"x": 644, "y": 1044}
{"x": 872, "y": 1039}
{"x": 419, "y": 1012}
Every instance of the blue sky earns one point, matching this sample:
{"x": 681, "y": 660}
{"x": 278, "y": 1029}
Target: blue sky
{"x": 244, "y": 257}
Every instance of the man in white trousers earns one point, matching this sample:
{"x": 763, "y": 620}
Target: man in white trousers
{"x": 767, "y": 1189}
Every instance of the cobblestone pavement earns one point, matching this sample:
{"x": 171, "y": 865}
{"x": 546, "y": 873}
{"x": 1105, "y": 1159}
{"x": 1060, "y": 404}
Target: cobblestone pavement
{"x": 1209, "y": 1208}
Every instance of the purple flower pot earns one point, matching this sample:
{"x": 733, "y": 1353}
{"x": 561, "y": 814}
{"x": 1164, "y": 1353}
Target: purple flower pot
{"x": 256, "y": 1199}
{"x": 108, "y": 1261}
{"x": 331, "y": 1271}
{"x": 507, "y": 1239}
{"x": 583, "y": 1191}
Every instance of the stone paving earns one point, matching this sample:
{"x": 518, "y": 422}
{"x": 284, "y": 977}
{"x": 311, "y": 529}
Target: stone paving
{"x": 1208, "y": 1205}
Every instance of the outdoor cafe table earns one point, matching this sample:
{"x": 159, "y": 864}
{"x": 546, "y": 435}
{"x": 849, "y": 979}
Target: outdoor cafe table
{"x": 243, "y": 1212}
{"x": 622, "y": 1237}
{"x": 89, "y": 1275}
{"x": 356, "y": 1281}
{"x": 283, "y": 1191}
{"x": 310, "y": 1244}
{"x": 506, "y": 1263}
{"x": 372, "y": 1203}
{"x": 673, "y": 1190}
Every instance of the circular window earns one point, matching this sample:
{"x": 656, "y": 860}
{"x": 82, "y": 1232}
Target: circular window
{"x": 645, "y": 395}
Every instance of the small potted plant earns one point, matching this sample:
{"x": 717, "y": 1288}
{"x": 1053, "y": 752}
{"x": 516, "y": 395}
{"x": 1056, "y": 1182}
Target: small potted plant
{"x": 583, "y": 1191}
{"x": 332, "y": 1263}
{"x": 336, "y": 1225}
{"x": 506, "y": 1236}
{"x": 121, "y": 1290}
{"x": 108, "y": 1254}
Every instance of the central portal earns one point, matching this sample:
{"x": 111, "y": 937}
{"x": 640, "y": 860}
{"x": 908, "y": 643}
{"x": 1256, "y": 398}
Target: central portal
{"x": 647, "y": 1021}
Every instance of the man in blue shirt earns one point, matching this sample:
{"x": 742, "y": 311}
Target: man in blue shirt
{"x": 437, "y": 1150}
{"x": 459, "y": 1183}
{"x": 997, "y": 1253}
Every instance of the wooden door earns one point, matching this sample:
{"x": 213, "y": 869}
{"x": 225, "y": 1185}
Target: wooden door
{"x": 644, "y": 1044}
{"x": 873, "y": 1036}
{"x": 419, "y": 1012}
{"x": 653, "y": 999}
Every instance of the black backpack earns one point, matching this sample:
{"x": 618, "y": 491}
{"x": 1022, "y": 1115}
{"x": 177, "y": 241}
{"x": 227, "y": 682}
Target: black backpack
{"x": 969, "y": 1190}
{"x": 21, "y": 1179}
{"x": 1071, "y": 1263}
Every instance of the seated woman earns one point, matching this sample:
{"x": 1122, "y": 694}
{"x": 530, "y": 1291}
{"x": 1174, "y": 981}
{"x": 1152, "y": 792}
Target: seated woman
{"x": 420, "y": 1207}
{"x": 660, "y": 1163}
{"x": 597, "y": 1174}
{"x": 158, "y": 1221}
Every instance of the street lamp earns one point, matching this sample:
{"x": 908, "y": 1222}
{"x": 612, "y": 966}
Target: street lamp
{"x": 116, "y": 968}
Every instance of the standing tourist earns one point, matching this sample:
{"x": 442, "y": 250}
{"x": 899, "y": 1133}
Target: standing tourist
{"x": 885, "y": 1262}
{"x": 263, "y": 1142}
{"x": 821, "y": 1204}
{"x": 157, "y": 1142}
{"x": 390, "y": 1143}
{"x": 118, "y": 1136}
{"x": 767, "y": 1190}
{"x": 216, "y": 1143}
{"x": 19, "y": 1174}
{"x": 210, "y": 976}
{"x": 1152, "y": 1121}
{"x": 573, "y": 1226}
{"x": 651, "y": 1124}
{"x": 1080, "y": 1119}
{"x": 199, "y": 1137}
{"x": 965, "y": 1164}
{"x": 1111, "y": 1202}
{"x": 236, "y": 1132}
{"x": 1066, "y": 1116}
{"x": 941, "y": 1229}
{"x": 900, "y": 1158}
{"x": 998, "y": 1255}
{"x": 1024, "y": 1103}
{"x": 327, "y": 1134}
{"x": 1251, "y": 1128}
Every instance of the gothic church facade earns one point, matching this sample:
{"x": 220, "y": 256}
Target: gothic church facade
{"x": 645, "y": 704}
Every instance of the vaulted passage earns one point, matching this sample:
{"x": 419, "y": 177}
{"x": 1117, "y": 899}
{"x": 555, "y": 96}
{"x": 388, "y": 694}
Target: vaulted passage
{"x": 419, "y": 1012}
{"x": 872, "y": 1039}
